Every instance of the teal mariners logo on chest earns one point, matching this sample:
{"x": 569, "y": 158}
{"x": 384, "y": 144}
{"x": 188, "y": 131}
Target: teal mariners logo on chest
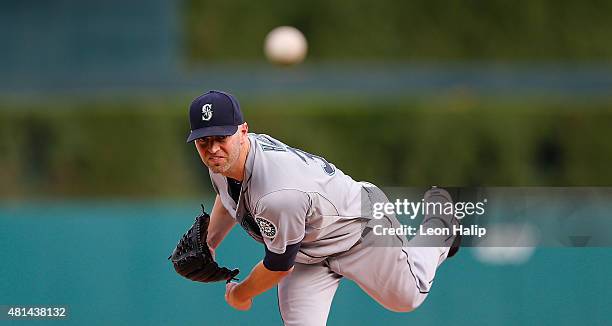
{"x": 267, "y": 228}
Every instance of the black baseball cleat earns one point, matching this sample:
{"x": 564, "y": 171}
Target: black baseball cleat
{"x": 435, "y": 191}
{"x": 454, "y": 248}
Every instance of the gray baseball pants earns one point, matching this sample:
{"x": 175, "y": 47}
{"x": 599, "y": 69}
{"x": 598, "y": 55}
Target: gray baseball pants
{"x": 397, "y": 277}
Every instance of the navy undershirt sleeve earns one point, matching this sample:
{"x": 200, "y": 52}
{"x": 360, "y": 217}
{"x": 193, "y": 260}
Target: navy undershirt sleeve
{"x": 281, "y": 262}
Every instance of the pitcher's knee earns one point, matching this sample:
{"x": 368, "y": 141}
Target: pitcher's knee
{"x": 407, "y": 304}
{"x": 407, "y": 307}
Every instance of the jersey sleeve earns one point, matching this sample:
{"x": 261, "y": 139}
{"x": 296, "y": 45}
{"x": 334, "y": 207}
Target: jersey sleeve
{"x": 281, "y": 217}
{"x": 281, "y": 262}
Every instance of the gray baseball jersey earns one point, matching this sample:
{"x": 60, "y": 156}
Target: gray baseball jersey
{"x": 293, "y": 196}
{"x": 290, "y": 196}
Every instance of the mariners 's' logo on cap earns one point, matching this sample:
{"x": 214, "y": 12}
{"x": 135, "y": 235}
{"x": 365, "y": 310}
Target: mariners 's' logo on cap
{"x": 267, "y": 228}
{"x": 207, "y": 112}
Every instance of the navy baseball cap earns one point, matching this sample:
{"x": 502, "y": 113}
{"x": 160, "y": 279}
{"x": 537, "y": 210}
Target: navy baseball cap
{"x": 214, "y": 113}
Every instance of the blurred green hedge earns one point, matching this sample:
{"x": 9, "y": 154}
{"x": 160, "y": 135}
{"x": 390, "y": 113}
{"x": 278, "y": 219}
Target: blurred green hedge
{"x": 119, "y": 149}
{"x": 540, "y": 30}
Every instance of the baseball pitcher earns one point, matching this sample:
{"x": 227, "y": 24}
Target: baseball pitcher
{"x": 312, "y": 220}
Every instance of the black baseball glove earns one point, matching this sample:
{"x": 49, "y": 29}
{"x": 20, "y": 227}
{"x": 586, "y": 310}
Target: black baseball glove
{"x": 192, "y": 257}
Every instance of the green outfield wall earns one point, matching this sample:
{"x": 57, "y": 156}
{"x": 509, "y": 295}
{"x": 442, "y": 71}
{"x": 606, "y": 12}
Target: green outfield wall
{"x": 130, "y": 148}
{"x": 107, "y": 261}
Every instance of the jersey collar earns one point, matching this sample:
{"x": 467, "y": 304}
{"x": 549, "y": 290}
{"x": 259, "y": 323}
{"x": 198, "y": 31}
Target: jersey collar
{"x": 242, "y": 204}
{"x": 248, "y": 165}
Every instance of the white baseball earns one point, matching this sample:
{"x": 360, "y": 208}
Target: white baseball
{"x": 285, "y": 45}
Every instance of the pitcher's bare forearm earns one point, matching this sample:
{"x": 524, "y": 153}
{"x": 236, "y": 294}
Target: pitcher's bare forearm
{"x": 260, "y": 280}
{"x": 221, "y": 222}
